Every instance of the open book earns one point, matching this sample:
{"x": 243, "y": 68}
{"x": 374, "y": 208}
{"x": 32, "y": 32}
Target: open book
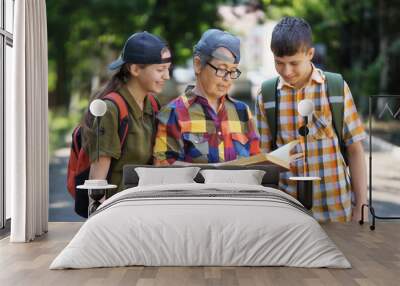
{"x": 279, "y": 157}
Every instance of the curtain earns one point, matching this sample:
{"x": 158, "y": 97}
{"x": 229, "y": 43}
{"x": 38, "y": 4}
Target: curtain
{"x": 26, "y": 124}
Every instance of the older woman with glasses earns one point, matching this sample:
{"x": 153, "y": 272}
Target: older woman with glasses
{"x": 205, "y": 124}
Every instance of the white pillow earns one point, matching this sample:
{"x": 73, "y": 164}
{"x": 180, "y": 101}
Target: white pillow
{"x": 166, "y": 176}
{"x": 248, "y": 177}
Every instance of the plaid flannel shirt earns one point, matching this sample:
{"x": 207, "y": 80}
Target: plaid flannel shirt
{"x": 332, "y": 195}
{"x": 190, "y": 130}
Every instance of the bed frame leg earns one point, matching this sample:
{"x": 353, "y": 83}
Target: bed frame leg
{"x": 372, "y": 211}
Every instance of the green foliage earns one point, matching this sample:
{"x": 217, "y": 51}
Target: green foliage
{"x": 85, "y": 36}
{"x": 52, "y": 76}
{"x": 364, "y": 82}
{"x": 350, "y": 32}
{"x": 62, "y": 122}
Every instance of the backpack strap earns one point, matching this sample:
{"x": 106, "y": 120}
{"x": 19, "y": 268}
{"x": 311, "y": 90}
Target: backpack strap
{"x": 270, "y": 100}
{"x": 156, "y": 108}
{"x": 123, "y": 115}
{"x": 154, "y": 103}
{"x": 76, "y": 140}
{"x": 335, "y": 89}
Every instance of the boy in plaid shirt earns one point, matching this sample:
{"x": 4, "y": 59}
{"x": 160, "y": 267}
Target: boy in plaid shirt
{"x": 206, "y": 125}
{"x": 299, "y": 79}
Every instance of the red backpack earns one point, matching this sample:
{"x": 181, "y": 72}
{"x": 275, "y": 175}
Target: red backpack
{"x": 79, "y": 163}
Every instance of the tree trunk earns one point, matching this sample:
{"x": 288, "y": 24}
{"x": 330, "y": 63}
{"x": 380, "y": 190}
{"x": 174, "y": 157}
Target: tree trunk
{"x": 61, "y": 96}
{"x": 383, "y": 48}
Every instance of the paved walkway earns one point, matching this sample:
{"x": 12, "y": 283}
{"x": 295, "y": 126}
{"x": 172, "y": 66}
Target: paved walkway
{"x": 61, "y": 203}
{"x": 385, "y": 182}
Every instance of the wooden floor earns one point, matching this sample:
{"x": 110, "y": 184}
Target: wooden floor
{"x": 374, "y": 255}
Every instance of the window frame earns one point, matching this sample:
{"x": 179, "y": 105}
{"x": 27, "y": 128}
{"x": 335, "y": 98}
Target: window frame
{"x": 6, "y": 39}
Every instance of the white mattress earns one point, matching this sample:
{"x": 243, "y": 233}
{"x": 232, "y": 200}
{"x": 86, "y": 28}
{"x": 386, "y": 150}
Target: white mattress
{"x": 189, "y": 230}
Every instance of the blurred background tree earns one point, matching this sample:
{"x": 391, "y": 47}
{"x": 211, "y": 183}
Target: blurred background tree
{"x": 85, "y": 36}
{"x": 361, "y": 38}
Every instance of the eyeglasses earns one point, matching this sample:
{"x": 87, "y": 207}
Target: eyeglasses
{"x": 223, "y": 72}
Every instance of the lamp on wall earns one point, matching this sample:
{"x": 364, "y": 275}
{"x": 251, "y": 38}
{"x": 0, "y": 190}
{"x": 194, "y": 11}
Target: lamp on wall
{"x": 305, "y": 183}
{"x": 305, "y": 109}
{"x": 97, "y": 108}
{"x": 96, "y": 188}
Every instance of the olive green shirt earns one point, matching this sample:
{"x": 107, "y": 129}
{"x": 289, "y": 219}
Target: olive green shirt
{"x": 138, "y": 147}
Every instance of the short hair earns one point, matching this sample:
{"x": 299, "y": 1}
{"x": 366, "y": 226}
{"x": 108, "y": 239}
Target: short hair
{"x": 290, "y": 36}
{"x": 204, "y": 59}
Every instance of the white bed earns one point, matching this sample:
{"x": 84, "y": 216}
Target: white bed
{"x": 203, "y": 225}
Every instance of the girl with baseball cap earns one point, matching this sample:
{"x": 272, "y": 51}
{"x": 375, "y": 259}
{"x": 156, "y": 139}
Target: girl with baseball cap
{"x": 139, "y": 73}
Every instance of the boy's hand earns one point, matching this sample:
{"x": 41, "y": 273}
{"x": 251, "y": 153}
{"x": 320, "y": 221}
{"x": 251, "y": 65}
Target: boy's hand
{"x": 295, "y": 157}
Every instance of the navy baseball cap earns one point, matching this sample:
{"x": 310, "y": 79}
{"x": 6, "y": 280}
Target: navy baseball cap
{"x": 141, "y": 48}
{"x": 213, "y": 39}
